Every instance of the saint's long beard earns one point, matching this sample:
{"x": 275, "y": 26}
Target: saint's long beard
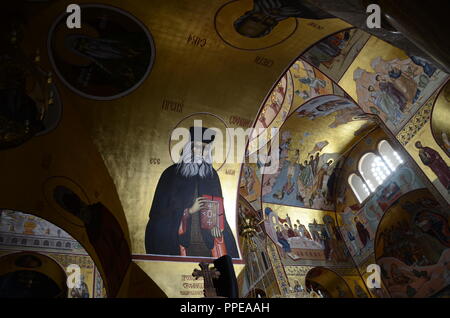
{"x": 191, "y": 166}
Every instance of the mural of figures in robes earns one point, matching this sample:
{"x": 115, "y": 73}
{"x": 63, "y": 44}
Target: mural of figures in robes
{"x": 314, "y": 85}
{"x": 412, "y": 247}
{"x": 344, "y": 110}
{"x": 108, "y": 57}
{"x": 395, "y": 89}
{"x": 82, "y": 291}
{"x": 304, "y": 184}
{"x": 362, "y": 232}
{"x": 306, "y": 174}
{"x": 309, "y": 82}
{"x": 187, "y": 216}
{"x": 334, "y": 54}
{"x": 250, "y": 184}
{"x": 360, "y": 223}
{"x": 432, "y": 159}
{"x": 303, "y": 239}
{"x": 269, "y": 21}
{"x": 273, "y": 114}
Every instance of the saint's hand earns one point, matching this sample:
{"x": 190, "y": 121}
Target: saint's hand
{"x": 197, "y": 206}
{"x": 216, "y": 232}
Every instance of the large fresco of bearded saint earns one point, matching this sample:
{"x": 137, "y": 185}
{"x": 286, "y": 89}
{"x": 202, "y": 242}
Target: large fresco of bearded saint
{"x": 187, "y": 216}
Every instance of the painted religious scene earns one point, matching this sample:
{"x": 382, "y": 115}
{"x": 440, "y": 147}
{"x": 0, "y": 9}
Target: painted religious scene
{"x": 250, "y": 185}
{"x": 427, "y": 140}
{"x": 31, "y": 236}
{"x": 395, "y": 88}
{"x": 172, "y": 148}
{"x": 309, "y": 82}
{"x": 187, "y": 217}
{"x": 360, "y": 207}
{"x": 360, "y": 224}
{"x": 334, "y": 54}
{"x": 308, "y": 165}
{"x": 272, "y": 115}
{"x": 305, "y": 237}
{"x": 412, "y": 247}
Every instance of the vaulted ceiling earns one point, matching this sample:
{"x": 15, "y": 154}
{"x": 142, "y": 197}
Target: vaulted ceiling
{"x": 309, "y": 78}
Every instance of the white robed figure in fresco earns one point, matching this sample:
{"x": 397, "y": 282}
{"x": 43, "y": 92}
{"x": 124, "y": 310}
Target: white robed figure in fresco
{"x": 386, "y": 104}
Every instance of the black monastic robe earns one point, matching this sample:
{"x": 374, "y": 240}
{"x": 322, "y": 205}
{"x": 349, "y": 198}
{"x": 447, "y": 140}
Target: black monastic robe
{"x": 175, "y": 193}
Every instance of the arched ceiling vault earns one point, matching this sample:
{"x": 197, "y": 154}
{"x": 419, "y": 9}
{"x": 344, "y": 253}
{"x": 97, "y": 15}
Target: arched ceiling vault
{"x": 117, "y": 149}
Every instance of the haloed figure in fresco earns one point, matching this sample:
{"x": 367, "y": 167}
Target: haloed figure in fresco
{"x": 187, "y": 216}
{"x": 433, "y": 159}
{"x": 266, "y": 14}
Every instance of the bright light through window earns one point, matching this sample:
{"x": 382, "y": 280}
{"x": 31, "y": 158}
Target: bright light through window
{"x": 375, "y": 170}
{"x": 390, "y": 156}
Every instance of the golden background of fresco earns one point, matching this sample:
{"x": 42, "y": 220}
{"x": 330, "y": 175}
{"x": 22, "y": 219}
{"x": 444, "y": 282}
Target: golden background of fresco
{"x": 425, "y": 136}
{"x": 440, "y": 118}
{"x": 373, "y": 48}
{"x": 339, "y": 138}
{"x": 120, "y": 137}
{"x": 128, "y": 140}
{"x": 130, "y": 131}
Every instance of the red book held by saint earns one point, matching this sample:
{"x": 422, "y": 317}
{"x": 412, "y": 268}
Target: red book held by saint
{"x": 211, "y": 214}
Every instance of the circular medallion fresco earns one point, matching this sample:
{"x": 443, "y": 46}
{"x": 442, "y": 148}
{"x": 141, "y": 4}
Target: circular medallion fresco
{"x": 107, "y": 58}
{"x": 249, "y": 26}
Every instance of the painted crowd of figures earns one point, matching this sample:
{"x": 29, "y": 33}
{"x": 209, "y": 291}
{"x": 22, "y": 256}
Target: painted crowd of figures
{"x": 306, "y": 184}
{"x": 319, "y": 242}
{"x": 396, "y": 88}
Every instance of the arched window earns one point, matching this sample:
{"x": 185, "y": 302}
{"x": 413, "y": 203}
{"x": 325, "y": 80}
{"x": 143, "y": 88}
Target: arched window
{"x": 358, "y": 186}
{"x": 390, "y": 156}
{"x": 373, "y": 170}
